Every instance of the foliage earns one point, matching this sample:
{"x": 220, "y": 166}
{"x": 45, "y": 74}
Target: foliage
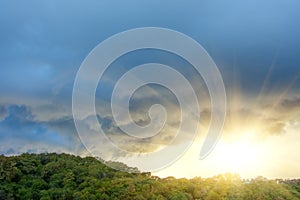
{"x": 62, "y": 176}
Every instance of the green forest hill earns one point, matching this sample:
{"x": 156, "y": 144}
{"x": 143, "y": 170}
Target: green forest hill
{"x": 62, "y": 176}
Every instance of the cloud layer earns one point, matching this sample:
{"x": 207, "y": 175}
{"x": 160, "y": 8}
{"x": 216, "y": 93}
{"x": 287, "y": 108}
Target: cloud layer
{"x": 44, "y": 43}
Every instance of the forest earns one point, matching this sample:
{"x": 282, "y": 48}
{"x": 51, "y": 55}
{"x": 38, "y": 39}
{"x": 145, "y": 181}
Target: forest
{"x": 62, "y": 176}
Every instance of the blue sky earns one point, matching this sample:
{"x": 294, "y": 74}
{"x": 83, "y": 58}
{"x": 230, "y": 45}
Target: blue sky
{"x": 43, "y": 42}
{"x": 255, "y": 44}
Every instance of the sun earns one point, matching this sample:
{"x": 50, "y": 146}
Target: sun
{"x": 239, "y": 155}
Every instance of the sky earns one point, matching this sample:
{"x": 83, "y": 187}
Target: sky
{"x": 255, "y": 45}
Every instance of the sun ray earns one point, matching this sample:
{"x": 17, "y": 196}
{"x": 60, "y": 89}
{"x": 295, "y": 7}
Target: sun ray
{"x": 267, "y": 78}
{"x": 267, "y": 112}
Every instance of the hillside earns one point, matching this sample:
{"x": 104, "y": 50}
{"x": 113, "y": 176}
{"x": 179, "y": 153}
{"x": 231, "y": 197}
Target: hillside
{"x": 62, "y": 176}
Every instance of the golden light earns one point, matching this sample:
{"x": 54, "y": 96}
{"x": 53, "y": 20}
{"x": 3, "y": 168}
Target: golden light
{"x": 240, "y": 153}
{"x": 243, "y": 152}
{"x": 237, "y": 156}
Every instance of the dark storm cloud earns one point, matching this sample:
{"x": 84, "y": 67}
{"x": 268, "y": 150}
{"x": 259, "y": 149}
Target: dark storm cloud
{"x": 270, "y": 118}
{"x": 52, "y": 38}
{"x": 64, "y": 125}
{"x": 19, "y": 128}
{"x": 3, "y": 112}
{"x": 291, "y": 104}
{"x": 268, "y": 124}
{"x": 108, "y": 125}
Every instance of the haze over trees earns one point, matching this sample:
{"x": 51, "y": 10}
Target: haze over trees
{"x": 62, "y": 176}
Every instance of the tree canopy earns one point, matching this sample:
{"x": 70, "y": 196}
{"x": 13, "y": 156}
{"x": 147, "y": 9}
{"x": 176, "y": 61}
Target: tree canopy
{"x": 63, "y": 176}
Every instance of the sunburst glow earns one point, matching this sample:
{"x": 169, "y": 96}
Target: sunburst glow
{"x": 239, "y": 155}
